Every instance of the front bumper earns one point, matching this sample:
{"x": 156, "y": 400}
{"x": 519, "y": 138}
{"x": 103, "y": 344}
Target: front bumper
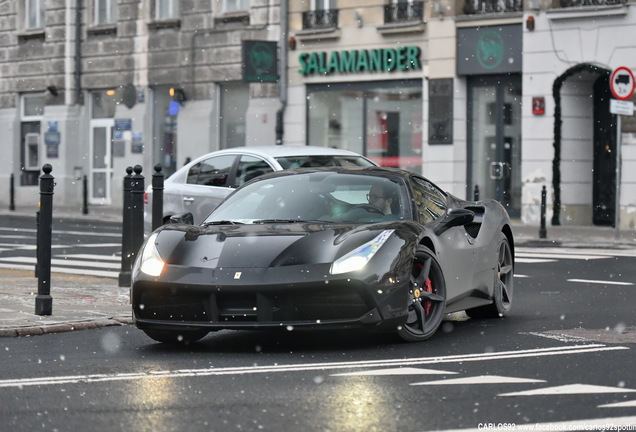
{"x": 295, "y": 296}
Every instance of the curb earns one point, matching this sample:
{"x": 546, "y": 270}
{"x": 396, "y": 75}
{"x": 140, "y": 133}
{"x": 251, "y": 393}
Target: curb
{"x": 67, "y": 327}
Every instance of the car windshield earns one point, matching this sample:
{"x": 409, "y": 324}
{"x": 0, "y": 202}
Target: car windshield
{"x": 303, "y": 161}
{"x": 315, "y": 197}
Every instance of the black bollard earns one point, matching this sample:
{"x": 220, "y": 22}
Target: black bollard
{"x": 44, "y": 301}
{"x": 126, "y": 258}
{"x": 476, "y": 193}
{"x": 137, "y": 212}
{"x": 85, "y": 195}
{"x": 12, "y": 193}
{"x": 157, "y": 198}
{"x": 542, "y": 231}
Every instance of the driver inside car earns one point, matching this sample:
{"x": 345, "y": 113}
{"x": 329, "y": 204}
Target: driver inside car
{"x": 380, "y": 197}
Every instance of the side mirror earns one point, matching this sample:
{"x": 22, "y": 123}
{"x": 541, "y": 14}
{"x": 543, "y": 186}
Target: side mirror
{"x": 454, "y": 217}
{"x": 183, "y": 218}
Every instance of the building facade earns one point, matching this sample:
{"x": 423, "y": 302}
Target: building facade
{"x": 489, "y": 99}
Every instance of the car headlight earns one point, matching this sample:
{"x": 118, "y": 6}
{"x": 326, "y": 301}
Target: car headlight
{"x": 150, "y": 260}
{"x": 359, "y": 257}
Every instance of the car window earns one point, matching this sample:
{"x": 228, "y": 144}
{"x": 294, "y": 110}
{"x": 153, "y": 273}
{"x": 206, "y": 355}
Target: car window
{"x": 429, "y": 200}
{"x": 291, "y": 162}
{"x": 250, "y": 167}
{"x": 212, "y": 172}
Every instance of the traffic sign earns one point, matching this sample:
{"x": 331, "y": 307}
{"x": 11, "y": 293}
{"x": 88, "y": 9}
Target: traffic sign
{"x": 622, "y": 83}
{"x": 621, "y": 107}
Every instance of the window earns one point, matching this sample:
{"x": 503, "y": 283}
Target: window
{"x": 105, "y": 12}
{"x": 429, "y": 200}
{"x": 166, "y": 9}
{"x": 33, "y": 14}
{"x": 236, "y": 5}
{"x": 234, "y": 103}
{"x": 440, "y": 111}
{"x": 249, "y": 168}
{"x": 212, "y": 172}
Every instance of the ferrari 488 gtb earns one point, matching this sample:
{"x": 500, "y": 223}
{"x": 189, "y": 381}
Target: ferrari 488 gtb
{"x": 370, "y": 247}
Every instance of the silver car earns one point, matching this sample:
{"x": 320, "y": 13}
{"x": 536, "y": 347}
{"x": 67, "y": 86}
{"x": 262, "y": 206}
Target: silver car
{"x": 199, "y": 186}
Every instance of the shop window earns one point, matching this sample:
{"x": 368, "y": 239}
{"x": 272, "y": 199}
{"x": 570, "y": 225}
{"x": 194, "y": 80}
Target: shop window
{"x": 440, "y": 111}
{"x": 33, "y": 14}
{"x": 104, "y": 103}
{"x": 234, "y": 104}
{"x": 382, "y": 120}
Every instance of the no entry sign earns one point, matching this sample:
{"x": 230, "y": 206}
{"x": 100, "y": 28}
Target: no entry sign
{"x": 622, "y": 83}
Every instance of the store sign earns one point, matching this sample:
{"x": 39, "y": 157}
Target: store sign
{"x": 489, "y": 50}
{"x": 358, "y": 61}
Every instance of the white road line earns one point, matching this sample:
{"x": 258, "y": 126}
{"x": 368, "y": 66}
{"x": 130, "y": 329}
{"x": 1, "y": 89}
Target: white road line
{"x": 533, "y": 260}
{"x": 93, "y": 257}
{"x": 626, "y": 404}
{"x": 62, "y": 262}
{"x": 582, "y": 251}
{"x": 86, "y": 272}
{"x": 482, "y": 379}
{"x": 82, "y": 233}
{"x": 546, "y": 255}
{"x": 600, "y": 282}
{"x": 570, "y": 389}
{"x": 533, "y": 353}
{"x": 397, "y": 371}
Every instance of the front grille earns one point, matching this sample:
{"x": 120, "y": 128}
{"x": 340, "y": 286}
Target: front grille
{"x": 196, "y": 305}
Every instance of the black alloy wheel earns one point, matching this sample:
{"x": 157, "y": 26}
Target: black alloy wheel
{"x": 427, "y": 297}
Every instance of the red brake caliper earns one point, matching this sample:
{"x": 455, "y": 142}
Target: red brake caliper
{"x": 428, "y": 286}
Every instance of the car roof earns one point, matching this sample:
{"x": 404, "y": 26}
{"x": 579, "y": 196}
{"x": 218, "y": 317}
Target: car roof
{"x": 287, "y": 150}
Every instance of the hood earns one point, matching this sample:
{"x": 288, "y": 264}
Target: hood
{"x": 260, "y": 246}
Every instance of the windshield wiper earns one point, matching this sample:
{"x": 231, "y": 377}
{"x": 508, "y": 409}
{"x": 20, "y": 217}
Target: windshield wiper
{"x": 222, "y": 222}
{"x": 272, "y": 221}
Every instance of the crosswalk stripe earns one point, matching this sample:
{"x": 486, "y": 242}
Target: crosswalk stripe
{"x": 65, "y": 270}
{"x": 62, "y": 262}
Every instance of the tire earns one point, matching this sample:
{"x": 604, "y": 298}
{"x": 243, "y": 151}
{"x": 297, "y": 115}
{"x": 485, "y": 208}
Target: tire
{"x": 176, "y": 337}
{"x": 427, "y": 298}
{"x": 503, "y": 285}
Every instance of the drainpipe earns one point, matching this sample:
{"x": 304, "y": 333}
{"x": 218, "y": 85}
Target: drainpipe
{"x": 282, "y": 80}
{"x": 78, "y": 52}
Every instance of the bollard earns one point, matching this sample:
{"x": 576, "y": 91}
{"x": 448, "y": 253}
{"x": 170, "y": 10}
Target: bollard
{"x": 137, "y": 212}
{"x": 44, "y": 301}
{"x": 126, "y": 260}
{"x": 542, "y": 231}
{"x": 157, "y": 198}
{"x": 37, "y": 241}
{"x": 476, "y": 193}
{"x": 12, "y": 192}
{"x": 85, "y": 195}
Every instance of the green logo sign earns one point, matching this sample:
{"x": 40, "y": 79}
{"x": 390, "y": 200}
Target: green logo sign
{"x": 490, "y": 49}
{"x": 358, "y": 61}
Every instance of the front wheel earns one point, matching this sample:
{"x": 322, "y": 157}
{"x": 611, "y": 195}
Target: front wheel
{"x": 176, "y": 337}
{"x": 427, "y": 298}
{"x": 503, "y": 285}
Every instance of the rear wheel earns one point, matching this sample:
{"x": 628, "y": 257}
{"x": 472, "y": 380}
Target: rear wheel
{"x": 176, "y": 337}
{"x": 427, "y": 298}
{"x": 503, "y": 288}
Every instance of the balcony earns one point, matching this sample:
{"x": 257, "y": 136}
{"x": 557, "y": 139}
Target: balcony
{"x": 320, "y": 19}
{"x": 402, "y": 12}
{"x": 473, "y": 7}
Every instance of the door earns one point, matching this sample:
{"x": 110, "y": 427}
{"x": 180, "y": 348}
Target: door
{"x": 604, "y": 181}
{"x": 494, "y": 135}
{"x": 101, "y": 168}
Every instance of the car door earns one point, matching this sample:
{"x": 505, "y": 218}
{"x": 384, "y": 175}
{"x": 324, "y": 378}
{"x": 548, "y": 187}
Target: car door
{"x": 207, "y": 184}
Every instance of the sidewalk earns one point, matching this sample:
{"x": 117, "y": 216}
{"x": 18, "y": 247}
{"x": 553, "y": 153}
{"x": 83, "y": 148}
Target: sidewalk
{"x": 81, "y": 302}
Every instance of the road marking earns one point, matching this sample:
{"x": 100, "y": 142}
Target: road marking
{"x": 93, "y": 257}
{"x": 481, "y": 379}
{"x": 398, "y": 371}
{"x": 600, "y": 282}
{"x": 579, "y": 251}
{"x": 88, "y": 272}
{"x": 80, "y": 233}
{"x": 183, "y": 373}
{"x": 557, "y": 256}
{"x": 587, "y": 424}
{"x": 626, "y": 404}
{"x": 62, "y": 262}
{"x": 570, "y": 389}
{"x": 533, "y": 260}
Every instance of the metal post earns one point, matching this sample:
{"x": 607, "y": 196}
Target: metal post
{"x": 12, "y": 193}
{"x": 44, "y": 301}
{"x": 542, "y": 231}
{"x": 126, "y": 260}
{"x": 85, "y": 195}
{"x": 617, "y": 208}
{"x": 157, "y": 197}
{"x": 476, "y": 193}
{"x": 137, "y": 212}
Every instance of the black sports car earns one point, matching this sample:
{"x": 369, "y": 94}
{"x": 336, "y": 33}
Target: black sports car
{"x": 372, "y": 247}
